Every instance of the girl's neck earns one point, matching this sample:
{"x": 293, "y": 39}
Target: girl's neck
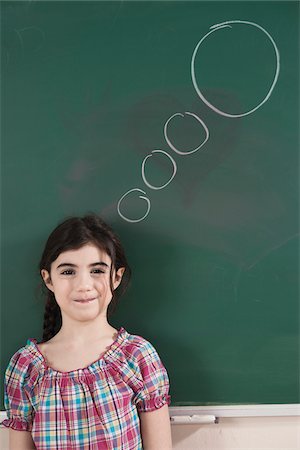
{"x": 85, "y": 336}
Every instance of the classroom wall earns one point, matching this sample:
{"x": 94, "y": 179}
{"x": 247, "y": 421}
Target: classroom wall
{"x": 251, "y": 433}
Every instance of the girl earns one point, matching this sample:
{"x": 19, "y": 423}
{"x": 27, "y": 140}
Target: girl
{"x": 87, "y": 385}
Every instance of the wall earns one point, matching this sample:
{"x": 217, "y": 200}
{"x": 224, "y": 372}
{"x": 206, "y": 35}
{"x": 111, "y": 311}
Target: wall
{"x": 252, "y": 433}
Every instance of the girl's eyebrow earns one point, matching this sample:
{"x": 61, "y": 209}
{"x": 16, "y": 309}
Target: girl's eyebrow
{"x": 100, "y": 263}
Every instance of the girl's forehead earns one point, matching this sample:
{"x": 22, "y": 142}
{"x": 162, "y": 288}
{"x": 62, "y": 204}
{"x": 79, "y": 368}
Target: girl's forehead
{"x": 87, "y": 254}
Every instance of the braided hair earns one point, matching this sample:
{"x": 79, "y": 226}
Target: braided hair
{"x": 72, "y": 234}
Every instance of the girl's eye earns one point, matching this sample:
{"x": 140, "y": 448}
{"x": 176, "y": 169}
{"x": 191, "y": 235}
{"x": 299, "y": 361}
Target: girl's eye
{"x": 97, "y": 271}
{"x": 68, "y": 272}
{"x": 72, "y": 271}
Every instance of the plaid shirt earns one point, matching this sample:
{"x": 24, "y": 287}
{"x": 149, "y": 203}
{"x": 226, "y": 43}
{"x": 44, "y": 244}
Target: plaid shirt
{"x": 93, "y": 408}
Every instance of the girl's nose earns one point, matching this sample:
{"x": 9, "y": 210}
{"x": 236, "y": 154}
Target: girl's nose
{"x": 84, "y": 282}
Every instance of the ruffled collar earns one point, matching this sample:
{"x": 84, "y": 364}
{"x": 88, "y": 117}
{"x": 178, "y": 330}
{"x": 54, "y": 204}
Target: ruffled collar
{"x": 32, "y": 346}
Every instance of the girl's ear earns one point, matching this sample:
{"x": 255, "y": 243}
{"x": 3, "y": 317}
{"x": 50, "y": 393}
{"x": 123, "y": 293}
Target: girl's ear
{"x": 47, "y": 279}
{"x": 118, "y": 277}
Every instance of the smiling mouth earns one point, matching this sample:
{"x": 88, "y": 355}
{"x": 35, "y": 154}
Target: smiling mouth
{"x": 85, "y": 301}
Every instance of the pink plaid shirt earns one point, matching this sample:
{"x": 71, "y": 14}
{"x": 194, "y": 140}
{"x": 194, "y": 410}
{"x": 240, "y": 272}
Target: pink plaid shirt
{"x": 92, "y": 408}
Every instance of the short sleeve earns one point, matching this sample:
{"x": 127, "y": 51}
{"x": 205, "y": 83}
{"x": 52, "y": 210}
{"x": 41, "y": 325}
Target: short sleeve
{"x": 17, "y": 394}
{"x": 155, "y": 391}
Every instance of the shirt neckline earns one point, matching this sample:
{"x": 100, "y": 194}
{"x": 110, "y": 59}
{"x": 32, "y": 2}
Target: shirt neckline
{"x": 121, "y": 336}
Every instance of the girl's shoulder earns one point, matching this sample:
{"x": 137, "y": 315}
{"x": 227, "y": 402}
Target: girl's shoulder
{"x": 137, "y": 349}
{"x": 24, "y": 366}
{"x": 137, "y": 341}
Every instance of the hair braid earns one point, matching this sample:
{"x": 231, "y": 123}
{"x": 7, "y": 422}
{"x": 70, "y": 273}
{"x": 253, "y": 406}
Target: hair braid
{"x": 52, "y": 317}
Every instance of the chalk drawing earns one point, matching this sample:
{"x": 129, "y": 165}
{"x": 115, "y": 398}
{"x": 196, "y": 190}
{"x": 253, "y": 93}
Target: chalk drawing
{"x": 218, "y": 27}
{"x": 170, "y": 143}
{"x": 140, "y": 196}
{"x": 213, "y": 29}
{"x": 143, "y": 170}
{"x": 21, "y": 33}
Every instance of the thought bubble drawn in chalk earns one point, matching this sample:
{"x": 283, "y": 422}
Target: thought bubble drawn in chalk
{"x": 173, "y": 174}
{"x": 215, "y": 28}
{"x": 172, "y": 146}
{"x": 141, "y": 197}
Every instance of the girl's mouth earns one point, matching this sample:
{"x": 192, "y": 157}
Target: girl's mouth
{"x": 85, "y": 301}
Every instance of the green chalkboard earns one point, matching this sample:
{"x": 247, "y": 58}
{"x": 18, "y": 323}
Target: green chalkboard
{"x": 87, "y": 91}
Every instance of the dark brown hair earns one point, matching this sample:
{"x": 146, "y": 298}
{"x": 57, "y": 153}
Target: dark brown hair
{"x": 72, "y": 234}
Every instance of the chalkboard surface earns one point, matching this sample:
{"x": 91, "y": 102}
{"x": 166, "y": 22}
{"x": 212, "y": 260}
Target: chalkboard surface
{"x": 206, "y": 203}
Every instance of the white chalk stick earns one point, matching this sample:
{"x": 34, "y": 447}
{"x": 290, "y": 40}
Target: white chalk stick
{"x": 193, "y": 419}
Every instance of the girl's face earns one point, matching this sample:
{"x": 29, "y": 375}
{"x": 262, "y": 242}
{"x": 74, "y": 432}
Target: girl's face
{"x": 80, "y": 281}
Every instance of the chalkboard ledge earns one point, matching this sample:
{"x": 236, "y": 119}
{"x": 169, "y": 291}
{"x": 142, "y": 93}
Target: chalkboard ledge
{"x": 237, "y": 410}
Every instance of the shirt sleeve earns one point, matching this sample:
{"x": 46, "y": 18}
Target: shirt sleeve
{"x": 17, "y": 394}
{"x": 155, "y": 391}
